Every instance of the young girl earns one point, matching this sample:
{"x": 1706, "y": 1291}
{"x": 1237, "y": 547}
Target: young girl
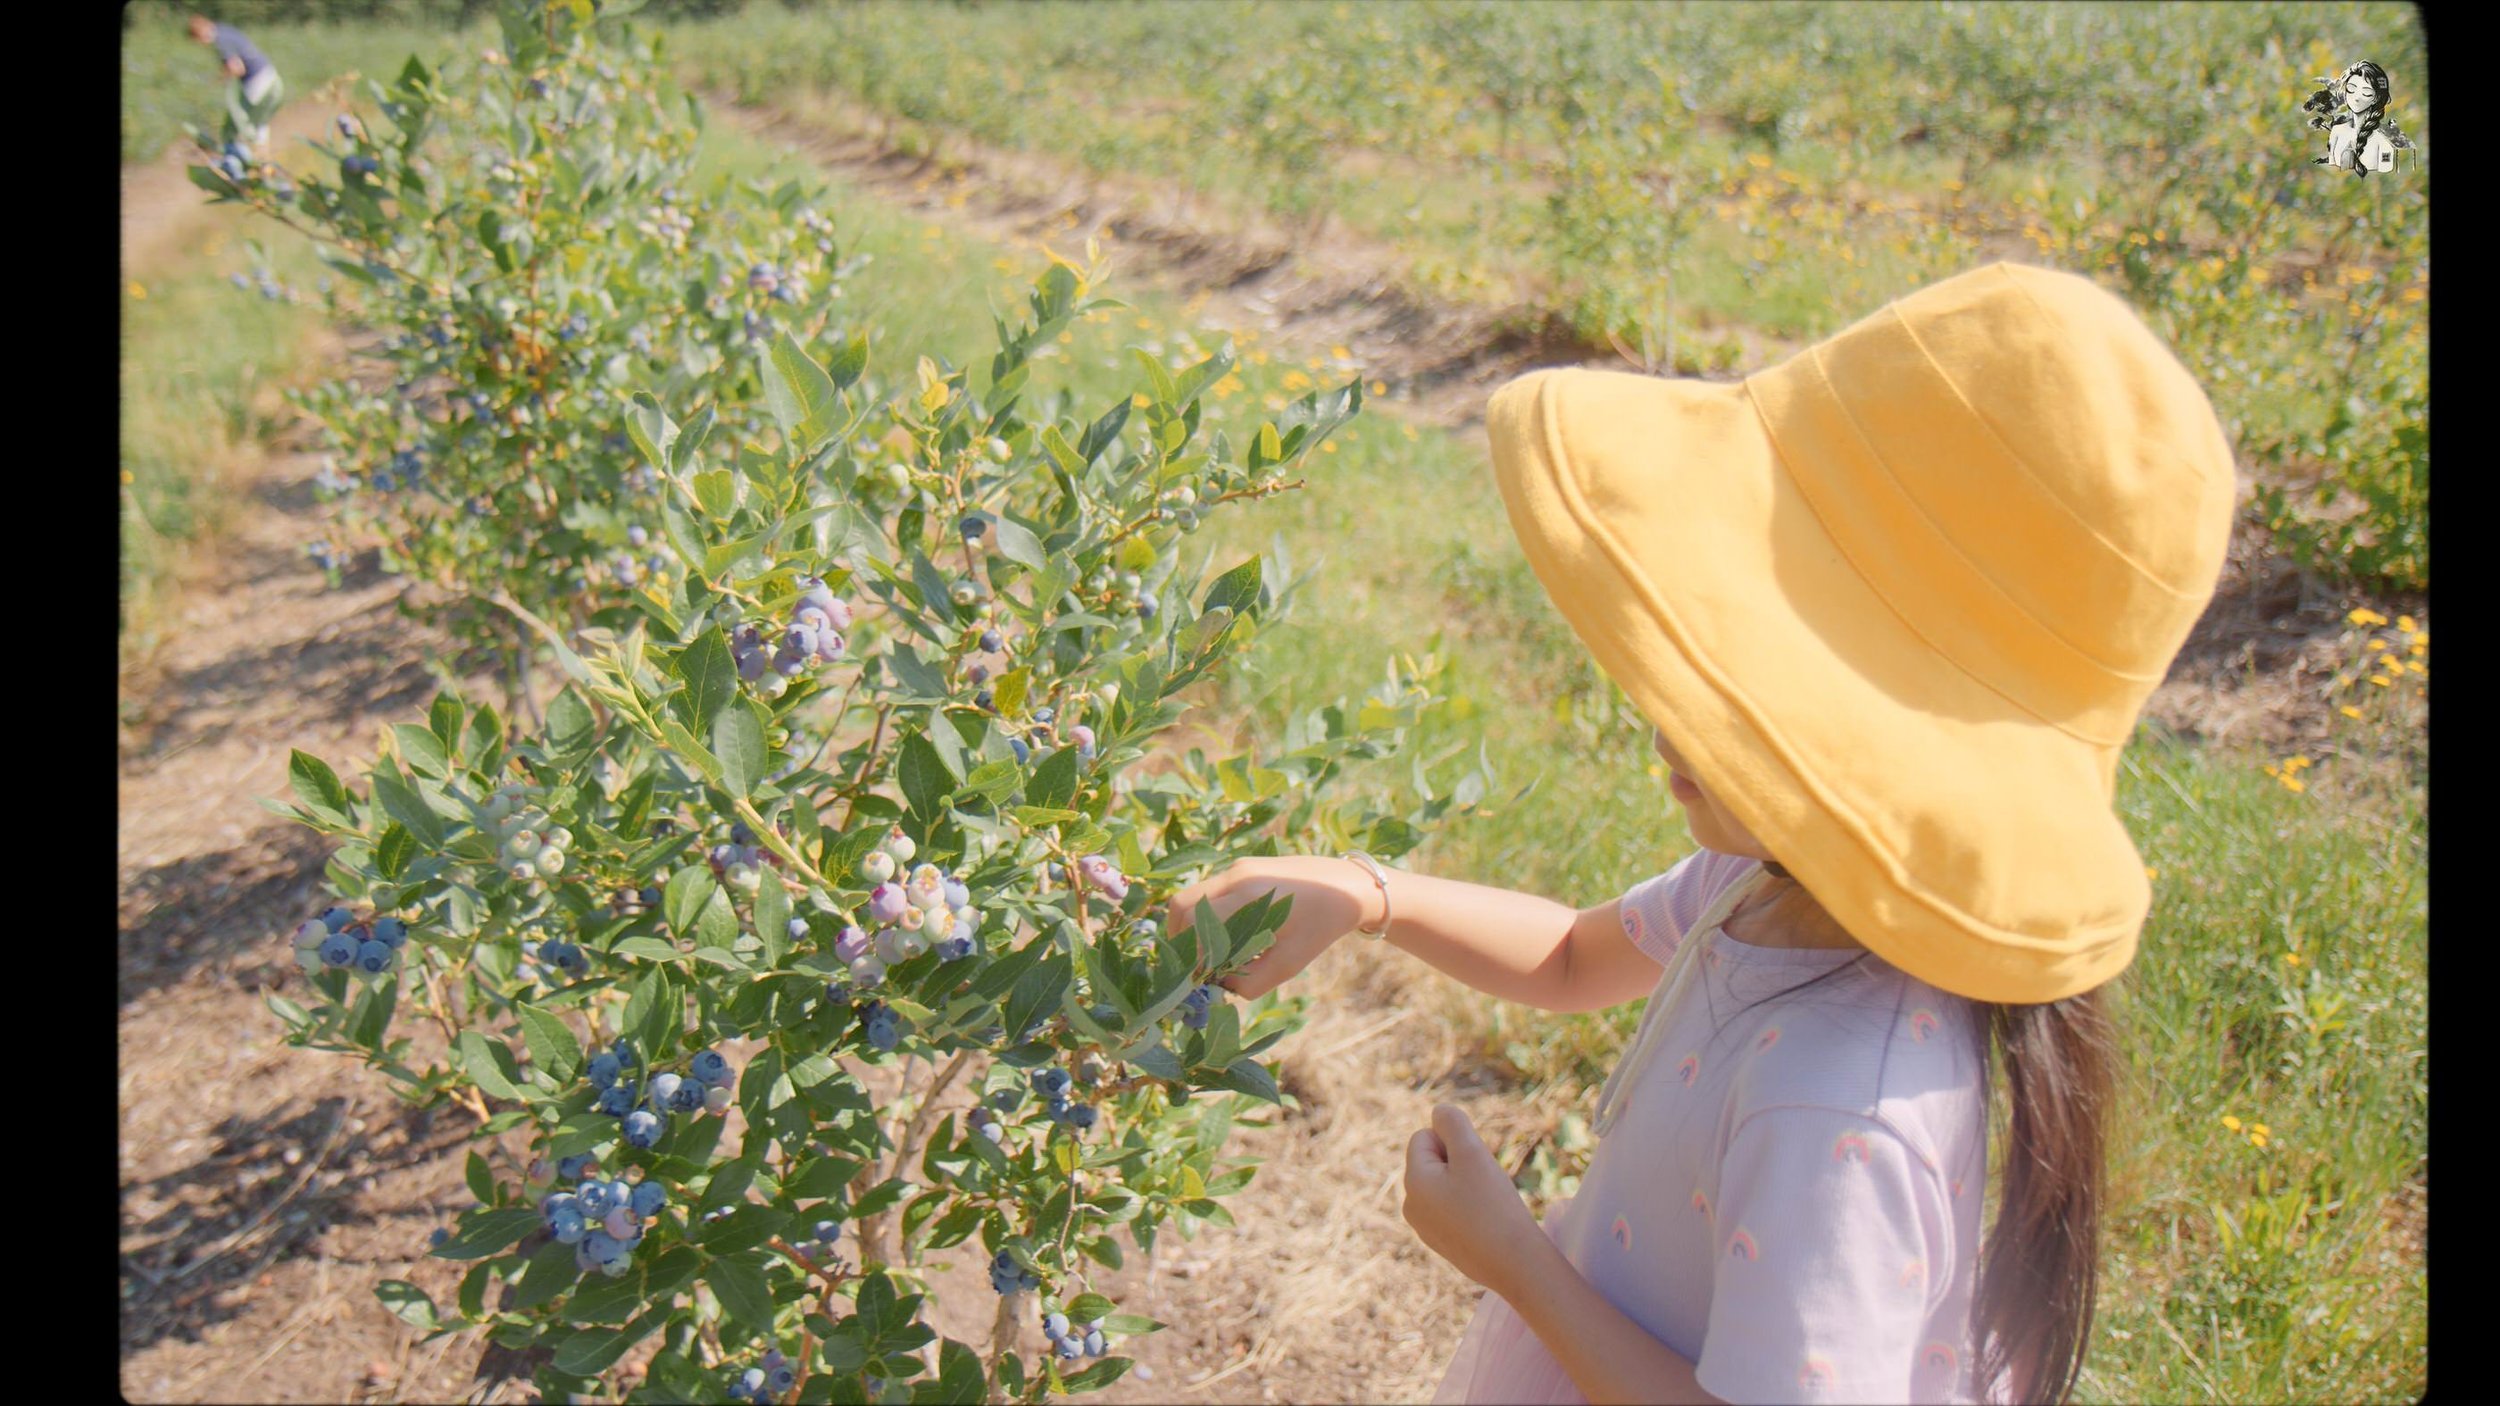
{"x": 1892, "y": 607}
{"x": 2352, "y": 111}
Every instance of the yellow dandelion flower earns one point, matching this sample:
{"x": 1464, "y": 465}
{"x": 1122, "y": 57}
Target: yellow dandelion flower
{"x": 129, "y": 477}
{"x": 1145, "y": 324}
{"x": 2257, "y": 1139}
{"x": 2261, "y": 1130}
{"x": 2294, "y": 784}
{"x": 2379, "y": 679}
{"x": 1340, "y": 353}
{"x": 2230, "y": 1122}
{"x": 2151, "y": 873}
{"x": 1066, "y": 337}
{"x": 2405, "y": 623}
{"x": 1294, "y": 381}
{"x": 2415, "y": 294}
{"x": 1380, "y": 388}
{"x": 2375, "y": 645}
{"x": 1141, "y": 400}
{"x": 138, "y": 290}
{"x": 1760, "y": 161}
{"x": 2296, "y": 763}
{"x": 2416, "y": 666}
{"x": 2273, "y": 770}
{"x": 1409, "y": 431}
{"x": 1328, "y": 448}
{"x": 2292, "y": 957}
{"x": 2349, "y": 711}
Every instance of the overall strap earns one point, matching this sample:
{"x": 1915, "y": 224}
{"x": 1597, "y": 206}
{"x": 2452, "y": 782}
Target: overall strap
{"x": 1627, "y": 1073}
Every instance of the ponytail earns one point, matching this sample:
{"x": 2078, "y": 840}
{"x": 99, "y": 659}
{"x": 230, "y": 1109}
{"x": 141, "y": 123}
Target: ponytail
{"x": 2039, "y": 1270}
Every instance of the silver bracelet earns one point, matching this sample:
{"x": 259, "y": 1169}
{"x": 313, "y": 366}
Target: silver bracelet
{"x": 1380, "y": 879}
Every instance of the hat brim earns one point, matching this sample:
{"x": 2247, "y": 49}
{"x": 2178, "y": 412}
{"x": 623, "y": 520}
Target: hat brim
{"x": 1956, "y": 835}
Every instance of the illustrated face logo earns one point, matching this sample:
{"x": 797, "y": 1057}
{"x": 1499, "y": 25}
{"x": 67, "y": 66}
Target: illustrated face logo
{"x": 2358, "y": 91}
{"x": 1851, "y": 1148}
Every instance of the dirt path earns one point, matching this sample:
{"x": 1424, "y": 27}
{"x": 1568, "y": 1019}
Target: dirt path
{"x": 263, "y": 1190}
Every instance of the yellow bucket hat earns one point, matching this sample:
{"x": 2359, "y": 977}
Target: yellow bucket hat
{"x": 1899, "y": 599}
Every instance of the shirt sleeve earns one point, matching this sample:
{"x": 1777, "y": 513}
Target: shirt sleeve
{"x": 1658, "y": 911}
{"x": 1832, "y": 1240}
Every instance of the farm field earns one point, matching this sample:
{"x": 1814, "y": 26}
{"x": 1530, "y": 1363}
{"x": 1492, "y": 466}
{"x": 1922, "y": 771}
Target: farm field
{"x": 2270, "y": 1202}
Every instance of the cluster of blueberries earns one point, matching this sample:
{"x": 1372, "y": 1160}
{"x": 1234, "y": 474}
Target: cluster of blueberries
{"x": 926, "y": 908}
{"x": 539, "y": 956}
{"x": 1073, "y": 1341}
{"x": 336, "y": 939}
{"x": 644, "y": 1109}
{"x": 630, "y": 570}
{"x": 1008, "y": 1277}
{"x": 773, "y": 283}
{"x": 601, "y": 1220}
{"x": 1101, "y": 875}
{"x": 530, "y": 847}
{"x": 760, "y": 1384}
{"x": 812, "y": 636}
{"x": 741, "y": 862}
{"x": 1052, "y": 1085}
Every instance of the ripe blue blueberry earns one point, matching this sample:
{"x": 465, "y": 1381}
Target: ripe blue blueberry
{"x": 991, "y": 642}
{"x": 641, "y": 1128}
{"x": 664, "y": 1089}
{"x": 594, "y": 1197}
{"x": 1070, "y": 1349}
{"x": 1023, "y": 753}
{"x": 971, "y": 526}
{"x": 569, "y": 1224}
{"x": 390, "y": 931}
{"x": 373, "y": 958}
{"x": 1050, "y": 1083}
{"x": 439, "y": 1238}
{"x": 649, "y": 1197}
{"x": 1006, "y": 1098}
{"x": 604, "y": 1069}
{"x": 828, "y": 1231}
{"x": 710, "y": 1066}
{"x": 687, "y": 1099}
{"x": 568, "y": 1168}
{"x": 773, "y": 1360}
{"x": 623, "y": 1224}
{"x": 1094, "y": 1344}
{"x": 617, "y": 1100}
{"x": 780, "y": 1379}
{"x": 1082, "y": 1116}
{"x": 1055, "y": 1325}
{"x": 624, "y": 1049}
{"x": 338, "y": 950}
{"x": 336, "y": 918}
{"x": 599, "y": 1247}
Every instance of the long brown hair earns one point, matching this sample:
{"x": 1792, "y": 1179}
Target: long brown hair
{"x": 2040, "y": 1269}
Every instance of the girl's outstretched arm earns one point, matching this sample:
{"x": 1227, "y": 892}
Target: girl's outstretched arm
{"x": 1513, "y": 945}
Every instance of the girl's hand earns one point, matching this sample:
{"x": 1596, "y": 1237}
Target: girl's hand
{"x": 1328, "y": 902}
{"x": 1463, "y": 1205}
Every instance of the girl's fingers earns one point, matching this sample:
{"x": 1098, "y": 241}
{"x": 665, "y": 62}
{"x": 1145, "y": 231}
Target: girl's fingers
{"x": 1457, "y": 1131}
{"x": 1424, "y": 1155}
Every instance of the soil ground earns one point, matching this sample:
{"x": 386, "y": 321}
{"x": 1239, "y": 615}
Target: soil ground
{"x": 265, "y": 1191}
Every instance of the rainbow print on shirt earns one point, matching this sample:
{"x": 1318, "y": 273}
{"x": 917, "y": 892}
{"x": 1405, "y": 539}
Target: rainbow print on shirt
{"x": 1623, "y": 1233}
{"x": 1851, "y": 1148}
{"x": 1939, "y": 1357}
{"x": 1817, "y": 1373}
{"x": 1922, "y": 1024}
{"x": 1913, "y": 1274}
{"x": 1701, "y": 1203}
{"x": 1689, "y": 1070}
{"x": 1740, "y": 1246}
{"x": 1767, "y": 1038}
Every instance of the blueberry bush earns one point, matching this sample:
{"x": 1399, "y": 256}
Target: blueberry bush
{"x": 818, "y": 919}
{"x": 524, "y": 235}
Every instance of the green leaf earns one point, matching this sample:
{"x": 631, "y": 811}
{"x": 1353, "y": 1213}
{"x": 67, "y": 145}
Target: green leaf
{"x": 1085, "y": 1308}
{"x": 921, "y": 683}
{"x": 1037, "y": 993}
{"x": 739, "y": 1282}
{"x": 799, "y": 393}
{"x": 552, "y": 1046}
{"x": 1098, "y": 1376}
{"x": 587, "y": 1354}
{"x": 393, "y": 851}
{"x": 1054, "y": 781}
{"x": 961, "y": 1382}
{"x": 1017, "y": 543}
{"x": 421, "y": 749}
{"x": 316, "y": 785}
{"x": 738, "y": 741}
{"x": 710, "y": 676}
{"x": 490, "y": 1064}
{"x": 547, "y": 1273}
{"x": 488, "y": 1232}
{"x": 923, "y": 776}
{"x": 412, "y": 1305}
{"x": 1236, "y": 590}
{"x": 1248, "y": 1076}
{"x": 481, "y": 1181}
{"x": 403, "y": 803}
{"x": 716, "y": 491}
{"x": 651, "y": 429}
{"x": 690, "y": 891}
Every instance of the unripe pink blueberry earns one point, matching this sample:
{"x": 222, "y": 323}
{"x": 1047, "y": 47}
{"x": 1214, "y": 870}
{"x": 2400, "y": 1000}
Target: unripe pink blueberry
{"x": 1103, "y": 876}
{"x": 867, "y": 971}
{"x": 716, "y": 1100}
{"x": 887, "y": 902}
{"x": 851, "y": 945}
{"x": 890, "y": 946}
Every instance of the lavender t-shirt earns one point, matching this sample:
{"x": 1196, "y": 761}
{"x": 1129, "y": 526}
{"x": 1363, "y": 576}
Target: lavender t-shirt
{"x": 1788, "y": 1193}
